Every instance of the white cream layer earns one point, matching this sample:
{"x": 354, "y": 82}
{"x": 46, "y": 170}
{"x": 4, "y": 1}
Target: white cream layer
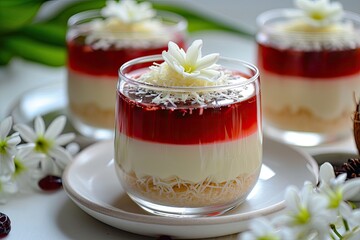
{"x": 217, "y": 162}
{"x": 90, "y": 89}
{"x": 325, "y": 99}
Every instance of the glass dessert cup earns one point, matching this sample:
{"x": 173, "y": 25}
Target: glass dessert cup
{"x": 308, "y": 77}
{"x": 94, "y": 57}
{"x": 199, "y": 156}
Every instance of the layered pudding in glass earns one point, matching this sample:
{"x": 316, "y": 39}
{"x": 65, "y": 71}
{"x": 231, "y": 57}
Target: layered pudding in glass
{"x": 188, "y": 132}
{"x": 309, "y": 59}
{"x": 98, "y": 43}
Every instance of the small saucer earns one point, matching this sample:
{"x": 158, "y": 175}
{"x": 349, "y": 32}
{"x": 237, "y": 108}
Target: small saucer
{"x": 91, "y": 182}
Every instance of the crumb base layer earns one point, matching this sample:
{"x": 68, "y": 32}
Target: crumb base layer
{"x": 174, "y": 197}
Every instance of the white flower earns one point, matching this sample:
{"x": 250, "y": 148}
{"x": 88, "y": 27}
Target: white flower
{"x": 320, "y": 12}
{"x": 191, "y": 64}
{"x": 8, "y": 187}
{"x": 354, "y": 218}
{"x": 261, "y": 229}
{"x": 48, "y": 142}
{"x": 337, "y": 189}
{"x": 128, "y": 11}
{"x": 307, "y": 214}
{"x": 27, "y": 167}
{"x": 7, "y": 147}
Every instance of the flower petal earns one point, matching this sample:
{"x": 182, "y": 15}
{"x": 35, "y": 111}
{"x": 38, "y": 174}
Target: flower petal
{"x": 351, "y": 188}
{"x": 291, "y": 198}
{"x": 47, "y": 166}
{"x": 209, "y": 75}
{"x": 207, "y": 60}
{"x": 14, "y": 139}
{"x": 65, "y": 138}
{"x": 25, "y": 132}
{"x": 194, "y": 53}
{"x": 5, "y": 127}
{"x": 55, "y": 127}
{"x": 61, "y": 155}
{"x": 178, "y": 54}
{"x": 326, "y": 172}
{"x": 39, "y": 125}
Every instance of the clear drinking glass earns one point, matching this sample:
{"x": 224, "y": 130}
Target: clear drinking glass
{"x": 94, "y": 57}
{"x": 308, "y": 77}
{"x": 188, "y": 158}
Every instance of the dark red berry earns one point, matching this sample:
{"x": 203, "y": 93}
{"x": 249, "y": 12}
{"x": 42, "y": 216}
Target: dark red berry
{"x": 50, "y": 183}
{"x": 5, "y": 225}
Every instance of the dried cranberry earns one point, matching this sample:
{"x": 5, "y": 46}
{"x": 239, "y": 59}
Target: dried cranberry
{"x": 5, "y": 225}
{"x": 50, "y": 183}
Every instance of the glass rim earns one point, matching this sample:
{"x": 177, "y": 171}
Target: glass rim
{"x": 122, "y": 76}
{"x": 180, "y": 23}
{"x": 290, "y": 13}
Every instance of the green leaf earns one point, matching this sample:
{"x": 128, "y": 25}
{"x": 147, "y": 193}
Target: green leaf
{"x": 16, "y": 13}
{"x": 36, "y": 51}
{"x": 46, "y": 32}
{"x": 5, "y": 56}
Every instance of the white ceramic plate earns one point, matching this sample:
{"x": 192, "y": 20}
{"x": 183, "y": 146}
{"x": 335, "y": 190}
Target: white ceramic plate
{"x": 91, "y": 182}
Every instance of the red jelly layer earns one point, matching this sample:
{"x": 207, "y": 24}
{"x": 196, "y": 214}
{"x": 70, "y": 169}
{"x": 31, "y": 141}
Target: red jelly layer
{"x": 324, "y": 64}
{"x": 83, "y": 58}
{"x": 150, "y": 122}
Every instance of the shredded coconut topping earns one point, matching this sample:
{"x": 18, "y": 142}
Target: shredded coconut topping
{"x": 189, "y": 69}
{"x": 315, "y": 26}
{"x": 299, "y": 36}
{"x": 127, "y": 24}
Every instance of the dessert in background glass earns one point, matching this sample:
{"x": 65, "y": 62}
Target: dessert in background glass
{"x": 98, "y": 43}
{"x": 188, "y": 137}
{"x": 309, "y": 60}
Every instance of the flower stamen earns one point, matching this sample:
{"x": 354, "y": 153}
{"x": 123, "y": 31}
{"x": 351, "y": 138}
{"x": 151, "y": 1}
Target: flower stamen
{"x": 42, "y": 145}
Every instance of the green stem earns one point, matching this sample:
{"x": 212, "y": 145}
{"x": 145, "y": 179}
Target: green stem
{"x": 346, "y": 225}
{"x": 333, "y": 228}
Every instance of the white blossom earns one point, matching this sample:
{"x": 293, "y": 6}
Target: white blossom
{"x": 307, "y": 213}
{"x": 48, "y": 142}
{"x": 191, "y": 64}
{"x": 321, "y": 212}
{"x": 320, "y": 13}
{"x": 336, "y": 189}
{"x": 128, "y": 11}
{"x": 261, "y": 229}
{"x": 27, "y": 171}
{"x": 8, "y": 188}
{"x": 7, "y": 147}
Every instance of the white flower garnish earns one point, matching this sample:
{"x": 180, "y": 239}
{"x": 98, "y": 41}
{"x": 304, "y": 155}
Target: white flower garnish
{"x": 320, "y": 13}
{"x": 262, "y": 228}
{"x": 337, "y": 189}
{"x": 128, "y": 11}
{"x": 7, "y": 147}
{"x": 8, "y": 187}
{"x": 191, "y": 64}
{"x": 48, "y": 143}
{"x": 307, "y": 213}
